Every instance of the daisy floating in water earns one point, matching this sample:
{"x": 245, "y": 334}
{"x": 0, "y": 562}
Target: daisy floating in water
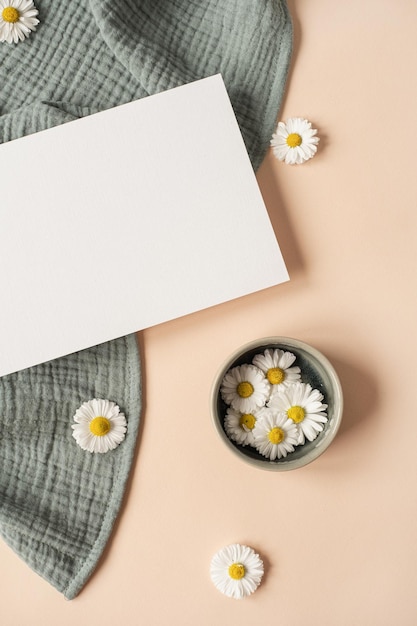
{"x": 239, "y": 426}
{"x": 245, "y": 388}
{"x": 275, "y": 435}
{"x": 17, "y": 20}
{"x": 303, "y": 406}
{"x": 236, "y": 571}
{"x": 294, "y": 141}
{"x": 276, "y": 365}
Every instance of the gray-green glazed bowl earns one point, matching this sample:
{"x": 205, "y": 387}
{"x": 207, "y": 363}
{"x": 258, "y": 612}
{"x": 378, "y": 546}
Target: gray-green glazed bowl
{"x": 315, "y": 370}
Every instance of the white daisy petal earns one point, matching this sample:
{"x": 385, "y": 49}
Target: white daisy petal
{"x": 289, "y": 124}
{"x": 99, "y": 426}
{"x": 281, "y": 153}
{"x": 294, "y": 141}
{"x": 236, "y": 571}
{"x": 315, "y": 406}
{"x": 310, "y": 432}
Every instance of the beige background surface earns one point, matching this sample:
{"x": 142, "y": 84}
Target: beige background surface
{"x": 339, "y": 536}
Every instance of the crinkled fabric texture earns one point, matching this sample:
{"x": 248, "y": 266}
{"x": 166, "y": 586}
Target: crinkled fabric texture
{"x": 89, "y": 55}
{"x": 57, "y": 502}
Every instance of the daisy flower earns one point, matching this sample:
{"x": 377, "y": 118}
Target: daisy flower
{"x": 303, "y": 406}
{"x": 245, "y": 388}
{"x": 236, "y": 571}
{"x": 294, "y": 141}
{"x": 99, "y": 426}
{"x": 276, "y": 365}
{"x": 239, "y": 426}
{"x": 17, "y": 20}
{"x": 275, "y": 434}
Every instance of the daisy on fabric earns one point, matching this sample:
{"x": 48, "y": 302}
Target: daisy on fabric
{"x": 303, "y": 406}
{"x": 239, "y": 426}
{"x": 275, "y": 434}
{"x": 99, "y": 426}
{"x": 245, "y": 388}
{"x": 236, "y": 571}
{"x": 294, "y": 141}
{"x": 276, "y": 365}
{"x": 17, "y": 20}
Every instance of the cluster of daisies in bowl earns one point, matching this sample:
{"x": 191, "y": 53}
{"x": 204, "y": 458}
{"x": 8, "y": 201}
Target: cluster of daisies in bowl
{"x": 269, "y": 407}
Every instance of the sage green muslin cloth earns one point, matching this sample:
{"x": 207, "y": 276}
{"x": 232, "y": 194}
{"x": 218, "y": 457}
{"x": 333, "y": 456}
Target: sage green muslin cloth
{"x": 58, "y": 502}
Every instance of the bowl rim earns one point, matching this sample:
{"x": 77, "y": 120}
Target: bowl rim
{"x": 314, "y": 453}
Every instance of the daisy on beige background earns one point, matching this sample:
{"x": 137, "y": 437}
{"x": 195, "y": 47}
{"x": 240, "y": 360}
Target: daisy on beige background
{"x": 294, "y": 141}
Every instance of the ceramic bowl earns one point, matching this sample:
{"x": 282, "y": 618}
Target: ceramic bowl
{"x": 316, "y": 370}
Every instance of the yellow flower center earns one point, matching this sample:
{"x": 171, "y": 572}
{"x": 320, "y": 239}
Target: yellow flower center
{"x": 245, "y": 389}
{"x": 237, "y": 571}
{"x": 248, "y": 420}
{"x": 294, "y": 140}
{"x": 100, "y": 426}
{"x": 296, "y": 413}
{"x": 276, "y": 435}
{"x": 275, "y": 375}
{"x": 10, "y": 14}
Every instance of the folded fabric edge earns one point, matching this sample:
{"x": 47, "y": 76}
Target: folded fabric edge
{"x": 278, "y": 89}
{"x": 120, "y": 484}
